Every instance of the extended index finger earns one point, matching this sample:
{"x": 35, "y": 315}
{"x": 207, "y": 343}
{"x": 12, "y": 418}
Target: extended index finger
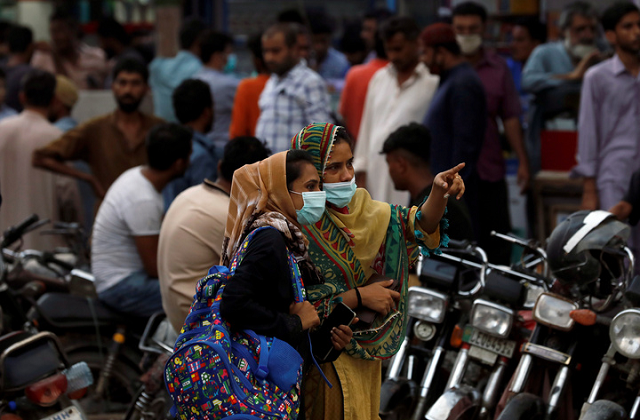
{"x": 455, "y": 169}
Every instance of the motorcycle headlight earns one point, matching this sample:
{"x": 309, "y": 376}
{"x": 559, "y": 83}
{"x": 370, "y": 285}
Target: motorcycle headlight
{"x": 426, "y": 305}
{"x": 625, "y": 333}
{"x": 491, "y": 318}
{"x": 554, "y": 311}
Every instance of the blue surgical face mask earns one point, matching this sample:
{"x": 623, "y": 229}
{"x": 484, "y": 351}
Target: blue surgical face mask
{"x": 311, "y": 211}
{"x": 340, "y": 193}
{"x": 232, "y": 63}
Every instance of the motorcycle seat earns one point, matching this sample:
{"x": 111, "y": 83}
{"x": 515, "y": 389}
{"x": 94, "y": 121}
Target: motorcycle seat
{"x": 64, "y": 310}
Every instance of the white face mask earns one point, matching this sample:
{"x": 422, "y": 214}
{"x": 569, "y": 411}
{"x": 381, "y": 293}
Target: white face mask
{"x": 469, "y": 44}
{"x": 578, "y": 51}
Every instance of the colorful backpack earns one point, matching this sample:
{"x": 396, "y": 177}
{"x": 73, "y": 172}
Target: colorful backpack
{"x": 215, "y": 373}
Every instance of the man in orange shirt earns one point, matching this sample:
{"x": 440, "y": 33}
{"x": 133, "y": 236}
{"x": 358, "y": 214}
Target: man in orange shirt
{"x": 245, "y": 112}
{"x": 355, "y": 88}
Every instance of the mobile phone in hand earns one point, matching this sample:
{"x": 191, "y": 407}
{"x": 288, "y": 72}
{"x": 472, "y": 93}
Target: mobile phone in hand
{"x": 321, "y": 339}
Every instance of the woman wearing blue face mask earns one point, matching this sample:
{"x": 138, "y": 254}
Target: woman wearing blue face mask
{"x": 282, "y": 193}
{"x": 356, "y": 239}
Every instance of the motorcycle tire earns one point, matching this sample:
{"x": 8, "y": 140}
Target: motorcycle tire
{"x": 122, "y": 388}
{"x": 157, "y": 409}
{"x": 605, "y": 410}
{"x": 524, "y": 407}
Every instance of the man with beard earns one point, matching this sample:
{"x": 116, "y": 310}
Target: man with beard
{"x": 294, "y": 96}
{"x": 111, "y": 143}
{"x": 398, "y": 94}
{"x": 554, "y": 71}
{"x": 609, "y": 123}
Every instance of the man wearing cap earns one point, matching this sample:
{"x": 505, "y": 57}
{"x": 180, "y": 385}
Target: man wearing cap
{"x": 64, "y": 99}
{"x": 457, "y": 116}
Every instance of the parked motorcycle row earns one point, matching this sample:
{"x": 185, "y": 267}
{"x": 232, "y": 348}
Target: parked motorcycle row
{"x": 523, "y": 342}
{"x": 556, "y": 336}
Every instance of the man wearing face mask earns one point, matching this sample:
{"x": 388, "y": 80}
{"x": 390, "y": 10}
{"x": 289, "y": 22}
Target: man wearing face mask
{"x": 503, "y": 103}
{"x": 458, "y": 110}
{"x": 555, "y": 70}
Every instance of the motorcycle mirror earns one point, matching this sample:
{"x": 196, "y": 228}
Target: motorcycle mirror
{"x": 583, "y": 316}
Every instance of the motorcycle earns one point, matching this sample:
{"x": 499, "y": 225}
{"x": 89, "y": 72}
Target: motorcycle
{"x": 587, "y": 256}
{"x": 489, "y": 342}
{"x": 152, "y": 401}
{"x": 621, "y": 363}
{"x": 449, "y": 281}
{"x": 37, "y": 381}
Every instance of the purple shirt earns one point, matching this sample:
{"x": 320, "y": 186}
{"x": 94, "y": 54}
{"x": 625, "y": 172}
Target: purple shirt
{"x": 609, "y": 129}
{"x": 503, "y": 102}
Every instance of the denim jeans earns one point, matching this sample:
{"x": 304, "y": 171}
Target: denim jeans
{"x": 137, "y": 295}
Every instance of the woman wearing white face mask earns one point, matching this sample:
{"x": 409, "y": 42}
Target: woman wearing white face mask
{"x": 358, "y": 238}
{"x": 283, "y": 193}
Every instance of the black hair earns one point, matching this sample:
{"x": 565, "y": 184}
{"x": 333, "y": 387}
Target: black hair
{"x": 320, "y": 24}
{"x": 414, "y": 138}
{"x": 295, "y": 159}
{"x": 63, "y": 14}
{"x": 379, "y": 46}
{"x": 254, "y": 43}
{"x": 39, "y": 87}
{"x": 131, "y": 65}
{"x": 108, "y": 27}
{"x": 241, "y": 151}
{"x": 291, "y": 16}
{"x": 19, "y": 39}
{"x": 3, "y": 74}
{"x": 5, "y": 25}
{"x": 190, "y": 99}
{"x": 190, "y": 31}
{"x": 400, "y": 24}
{"x": 614, "y": 14}
{"x": 470, "y": 8}
{"x": 342, "y": 135}
{"x": 577, "y": 8}
{"x": 537, "y": 30}
{"x": 166, "y": 143}
{"x": 351, "y": 41}
{"x": 379, "y": 14}
{"x": 212, "y": 42}
{"x": 289, "y": 30}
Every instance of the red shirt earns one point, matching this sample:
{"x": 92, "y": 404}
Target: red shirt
{"x": 245, "y": 106}
{"x": 354, "y": 93}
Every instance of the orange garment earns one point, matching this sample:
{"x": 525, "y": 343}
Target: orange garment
{"x": 245, "y": 106}
{"x": 355, "y": 92}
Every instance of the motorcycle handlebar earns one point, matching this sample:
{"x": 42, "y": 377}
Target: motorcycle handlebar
{"x": 14, "y": 233}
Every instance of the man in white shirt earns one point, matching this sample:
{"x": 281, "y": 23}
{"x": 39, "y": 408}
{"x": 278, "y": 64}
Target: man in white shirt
{"x": 193, "y": 229}
{"x": 126, "y": 230}
{"x": 398, "y": 94}
{"x": 294, "y": 96}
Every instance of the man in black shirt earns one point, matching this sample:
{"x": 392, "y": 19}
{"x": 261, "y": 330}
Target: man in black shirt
{"x": 408, "y": 153}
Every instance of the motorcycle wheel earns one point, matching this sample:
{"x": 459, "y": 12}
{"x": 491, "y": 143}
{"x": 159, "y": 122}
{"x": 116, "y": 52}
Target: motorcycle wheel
{"x": 157, "y": 409}
{"x": 122, "y": 388}
{"x": 524, "y": 407}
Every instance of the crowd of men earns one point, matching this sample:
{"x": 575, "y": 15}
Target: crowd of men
{"x": 415, "y": 100}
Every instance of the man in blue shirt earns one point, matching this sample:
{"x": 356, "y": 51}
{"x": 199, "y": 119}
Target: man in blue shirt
{"x": 194, "y": 108}
{"x": 215, "y": 48}
{"x": 457, "y": 116}
{"x": 167, "y": 73}
{"x": 555, "y": 70}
